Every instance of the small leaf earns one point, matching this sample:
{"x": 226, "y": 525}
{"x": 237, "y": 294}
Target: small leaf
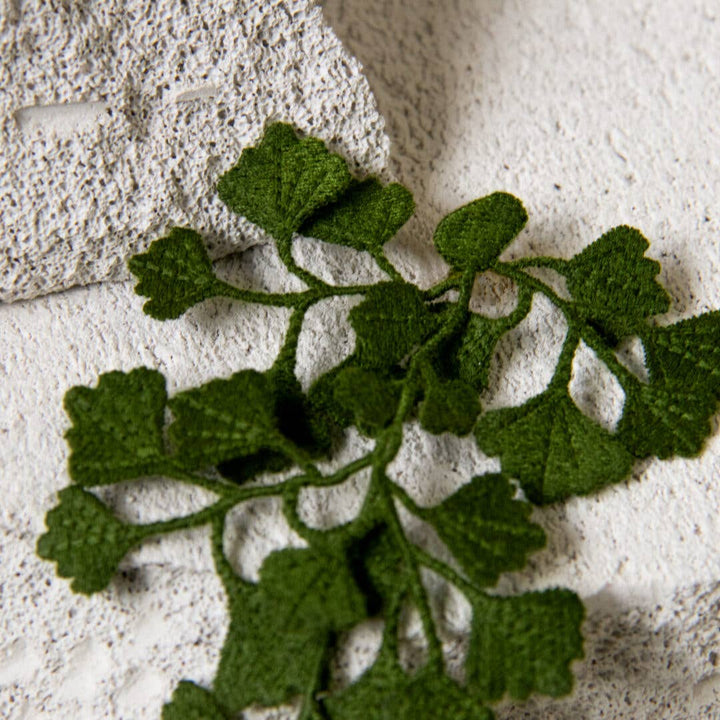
{"x": 552, "y": 448}
{"x": 365, "y": 217}
{"x": 667, "y": 419}
{"x": 224, "y": 419}
{"x": 86, "y": 540}
{"x": 486, "y": 530}
{"x": 473, "y": 236}
{"x": 281, "y": 182}
{"x": 281, "y": 629}
{"x": 117, "y": 427}
{"x": 389, "y": 323}
{"x": 192, "y": 702}
{"x": 524, "y": 644}
{"x": 687, "y": 352}
{"x": 614, "y": 285}
{"x": 371, "y": 398}
{"x": 386, "y": 692}
{"x": 175, "y": 273}
{"x": 449, "y": 406}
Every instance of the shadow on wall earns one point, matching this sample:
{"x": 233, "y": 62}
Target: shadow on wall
{"x": 413, "y": 53}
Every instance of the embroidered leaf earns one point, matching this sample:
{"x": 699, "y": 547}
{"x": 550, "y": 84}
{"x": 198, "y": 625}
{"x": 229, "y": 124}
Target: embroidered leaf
{"x": 552, "y": 448}
{"x": 191, "y": 702}
{"x": 473, "y": 236}
{"x": 486, "y": 530}
{"x": 281, "y": 630}
{"x": 386, "y": 692}
{"x": 86, "y": 540}
{"x": 116, "y": 431}
{"x": 369, "y": 397}
{"x": 224, "y": 419}
{"x": 614, "y": 285}
{"x": 524, "y": 644}
{"x": 449, "y": 406}
{"x": 281, "y": 182}
{"x": 175, "y": 273}
{"x": 389, "y": 323}
{"x": 365, "y": 218}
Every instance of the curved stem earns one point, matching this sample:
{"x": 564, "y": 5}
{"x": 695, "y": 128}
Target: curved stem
{"x": 543, "y": 261}
{"x": 592, "y": 338}
{"x": 386, "y": 266}
{"x": 452, "y": 282}
{"x": 284, "y": 248}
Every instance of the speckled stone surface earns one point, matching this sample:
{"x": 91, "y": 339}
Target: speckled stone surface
{"x": 118, "y": 117}
{"x": 595, "y": 114}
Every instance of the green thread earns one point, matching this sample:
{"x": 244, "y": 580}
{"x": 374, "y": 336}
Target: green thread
{"x": 418, "y": 356}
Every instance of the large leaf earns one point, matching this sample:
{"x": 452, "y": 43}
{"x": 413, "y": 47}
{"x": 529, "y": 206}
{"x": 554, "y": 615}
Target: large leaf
{"x": 86, "y": 540}
{"x": 175, "y": 273}
{"x": 614, "y": 285}
{"x": 552, "y": 448}
{"x": 389, "y": 323}
{"x": 281, "y": 182}
{"x": 116, "y": 431}
{"x": 365, "y": 217}
{"x": 486, "y": 530}
{"x": 191, "y": 702}
{"x": 224, "y": 419}
{"x": 524, "y": 644}
{"x": 473, "y": 236}
{"x": 281, "y": 630}
{"x": 449, "y": 406}
{"x": 386, "y": 692}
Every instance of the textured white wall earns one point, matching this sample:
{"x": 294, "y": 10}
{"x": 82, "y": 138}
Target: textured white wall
{"x": 594, "y": 113}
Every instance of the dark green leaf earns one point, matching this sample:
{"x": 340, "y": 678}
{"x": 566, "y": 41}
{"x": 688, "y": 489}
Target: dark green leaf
{"x": 281, "y": 182}
{"x": 473, "y": 236}
{"x": 224, "y": 419}
{"x": 667, "y": 419}
{"x": 552, "y": 448}
{"x": 449, "y": 406}
{"x": 389, "y": 323}
{"x": 191, "y": 702}
{"x": 614, "y": 285}
{"x": 686, "y": 353}
{"x": 365, "y": 217}
{"x": 86, "y": 540}
{"x": 369, "y": 397}
{"x": 386, "y": 692}
{"x": 486, "y": 530}
{"x": 116, "y": 431}
{"x": 281, "y": 630}
{"x": 524, "y": 644}
{"x": 175, "y": 273}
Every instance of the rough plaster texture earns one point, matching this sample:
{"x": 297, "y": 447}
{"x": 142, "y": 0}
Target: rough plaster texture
{"x": 595, "y": 114}
{"x": 118, "y": 117}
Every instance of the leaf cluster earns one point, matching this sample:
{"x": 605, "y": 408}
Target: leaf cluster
{"x": 420, "y": 355}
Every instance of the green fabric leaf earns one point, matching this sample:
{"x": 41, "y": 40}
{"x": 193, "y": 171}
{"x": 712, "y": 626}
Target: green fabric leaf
{"x": 524, "y": 644}
{"x": 671, "y": 415}
{"x": 175, "y": 273}
{"x": 486, "y": 530}
{"x": 371, "y": 398}
{"x": 282, "y": 181}
{"x": 224, "y": 419}
{"x": 191, "y": 702}
{"x": 117, "y": 428}
{"x": 473, "y": 236}
{"x": 552, "y": 448}
{"x": 365, "y": 217}
{"x": 389, "y": 323}
{"x": 667, "y": 419}
{"x": 281, "y": 629}
{"x": 86, "y": 540}
{"x": 614, "y": 285}
{"x": 386, "y": 692}
{"x": 686, "y": 353}
{"x": 449, "y": 406}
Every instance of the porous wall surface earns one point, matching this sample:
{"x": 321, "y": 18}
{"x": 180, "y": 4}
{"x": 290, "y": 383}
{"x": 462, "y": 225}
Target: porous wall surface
{"x": 595, "y": 114}
{"x": 118, "y": 117}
